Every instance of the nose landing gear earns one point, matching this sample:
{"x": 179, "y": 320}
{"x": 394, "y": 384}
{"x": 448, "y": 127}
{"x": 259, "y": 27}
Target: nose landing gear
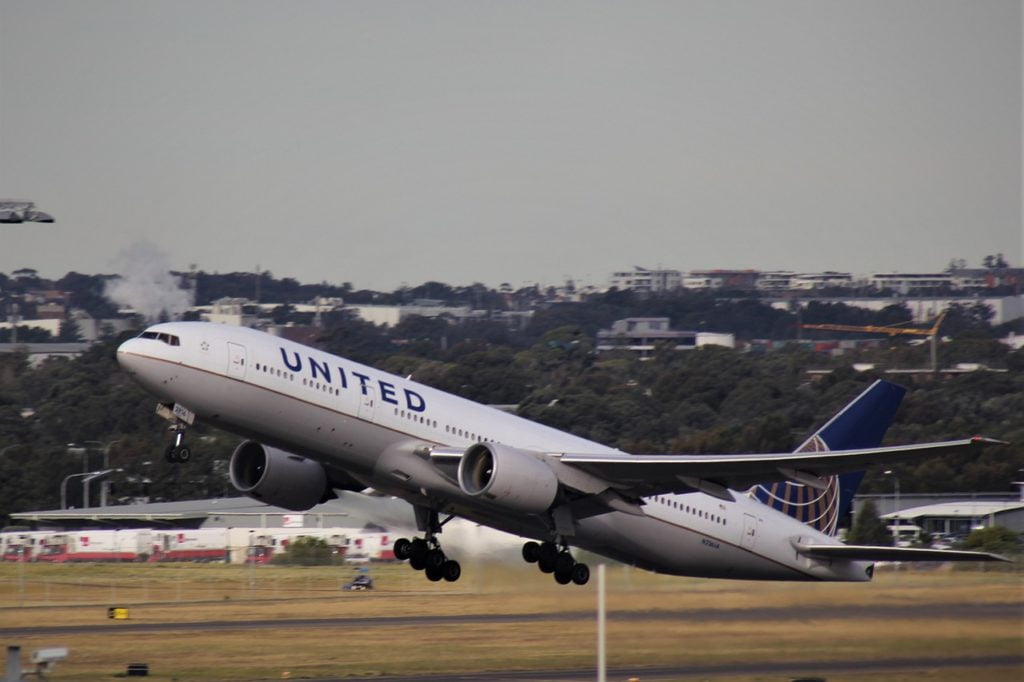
{"x": 178, "y": 452}
{"x": 550, "y": 558}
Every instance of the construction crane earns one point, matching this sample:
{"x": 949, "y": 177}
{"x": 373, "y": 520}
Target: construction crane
{"x": 932, "y": 333}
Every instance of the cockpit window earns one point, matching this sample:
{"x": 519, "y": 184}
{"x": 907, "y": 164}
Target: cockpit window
{"x": 169, "y": 339}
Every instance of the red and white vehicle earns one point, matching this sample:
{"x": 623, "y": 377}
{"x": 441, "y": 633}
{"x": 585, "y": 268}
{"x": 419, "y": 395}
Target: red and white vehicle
{"x": 190, "y": 545}
{"x": 20, "y": 546}
{"x": 94, "y": 545}
{"x": 230, "y": 545}
{"x": 370, "y": 547}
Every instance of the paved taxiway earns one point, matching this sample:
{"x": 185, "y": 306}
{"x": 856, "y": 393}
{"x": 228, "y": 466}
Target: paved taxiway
{"x": 665, "y": 673}
{"x": 1010, "y": 611}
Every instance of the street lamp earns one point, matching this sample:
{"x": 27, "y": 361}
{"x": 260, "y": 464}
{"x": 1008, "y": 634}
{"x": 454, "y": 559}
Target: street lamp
{"x": 896, "y": 507}
{"x": 88, "y": 476}
{"x": 83, "y": 450}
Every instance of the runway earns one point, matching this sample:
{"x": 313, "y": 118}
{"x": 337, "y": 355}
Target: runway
{"x": 819, "y": 669}
{"x": 1013, "y": 611}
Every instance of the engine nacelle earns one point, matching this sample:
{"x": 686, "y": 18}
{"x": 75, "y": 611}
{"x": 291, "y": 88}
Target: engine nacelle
{"x": 510, "y": 478}
{"x": 277, "y": 477}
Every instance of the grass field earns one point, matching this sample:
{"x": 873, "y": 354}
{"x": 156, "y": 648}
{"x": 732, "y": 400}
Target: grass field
{"x": 41, "y": 595}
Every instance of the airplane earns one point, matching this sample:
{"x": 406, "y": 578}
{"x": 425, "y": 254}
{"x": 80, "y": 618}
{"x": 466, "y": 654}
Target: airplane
{"x": 315, "y": 423}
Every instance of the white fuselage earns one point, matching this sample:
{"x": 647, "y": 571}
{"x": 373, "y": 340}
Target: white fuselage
{"x": 368, "y": 424}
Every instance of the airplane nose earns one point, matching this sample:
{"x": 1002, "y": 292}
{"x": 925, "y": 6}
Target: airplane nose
{"x": 128, "y": 357}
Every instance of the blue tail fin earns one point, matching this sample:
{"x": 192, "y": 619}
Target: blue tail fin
{"x": 861, "y": 424}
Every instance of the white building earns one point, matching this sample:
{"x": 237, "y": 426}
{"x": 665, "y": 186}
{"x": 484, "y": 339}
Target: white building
{"x": 239, "y": 312}
{"x": 643, "y": 280}
{"x": 390, "y": 315}
{"x": 924, "y": 310}
{"x": 821, "y": 280}
{"x": 644, "y": 334}
{"x": 960, "y": 518}
{"x": 909, "y": 282}
{"x": 776, "y": 280}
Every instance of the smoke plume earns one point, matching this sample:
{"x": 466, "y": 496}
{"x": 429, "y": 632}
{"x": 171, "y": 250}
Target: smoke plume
{"x": 146, "y": 283}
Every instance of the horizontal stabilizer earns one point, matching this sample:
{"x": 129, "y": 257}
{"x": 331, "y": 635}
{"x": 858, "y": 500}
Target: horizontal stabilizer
{"x": 872, "y": 553}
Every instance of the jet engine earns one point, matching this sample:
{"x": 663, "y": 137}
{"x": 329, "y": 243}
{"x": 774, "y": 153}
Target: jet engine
{"x": 507, "y": 477}
{"x": 277, "y": 477}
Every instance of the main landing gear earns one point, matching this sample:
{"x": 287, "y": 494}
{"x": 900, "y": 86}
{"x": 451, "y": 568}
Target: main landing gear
{"x": 177, "y": 452}
{"x": 551, "y": 558}
{"x": 425, "y": 554}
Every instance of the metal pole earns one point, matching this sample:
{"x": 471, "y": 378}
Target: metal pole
{"x": 934, "y": 353}
{"x": 896, "y": 480}
{"x": 13, "y": 663}
{"x": 602, "y": 672}
{"x": 105, "y": 483}
{"x": 85, "y": 492}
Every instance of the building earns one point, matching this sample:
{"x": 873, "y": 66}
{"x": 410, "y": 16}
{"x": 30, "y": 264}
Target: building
{"x": 239, "y": 312}
{"x": 645, "y": 281}
{"x": 644, "y": 335}
{"x": 923, "y": 309}
{"x": 38, "y": 353}
{"x": 958, "y": 519}
{"x": 721, "y": 279}
{"x": 820, "y": 280}
{"x": 986, "y": 278}
{"x": 777, "y": 280}
{"x": 911, "y": 282}
{"x": 391, "y": 315}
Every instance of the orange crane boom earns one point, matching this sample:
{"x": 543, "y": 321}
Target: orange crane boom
{"x": 873, "y": 329}
{"x": 932, "y": 333}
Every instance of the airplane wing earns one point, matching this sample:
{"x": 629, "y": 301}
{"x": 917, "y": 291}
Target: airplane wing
{"x": 872, "y": 553}
{"x": 642, "y": 475}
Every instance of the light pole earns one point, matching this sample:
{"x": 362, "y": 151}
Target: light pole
{"x": 88, "y": 476}
{"x": 64, "y": 488}
{"x": 84, "y": 451}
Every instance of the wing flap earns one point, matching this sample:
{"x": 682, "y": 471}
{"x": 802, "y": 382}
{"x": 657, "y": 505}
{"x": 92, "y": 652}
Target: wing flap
{"x": 872, "y": 553}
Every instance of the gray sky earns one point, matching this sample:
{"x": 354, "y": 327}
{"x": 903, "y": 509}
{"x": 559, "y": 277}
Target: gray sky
{"x": 390, "y": 142}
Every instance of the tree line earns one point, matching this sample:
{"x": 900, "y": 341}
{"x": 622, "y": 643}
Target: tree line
{"x": 706, "y": 400}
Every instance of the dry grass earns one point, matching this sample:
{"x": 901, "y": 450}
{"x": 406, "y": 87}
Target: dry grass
{"x": 61, "y": 595}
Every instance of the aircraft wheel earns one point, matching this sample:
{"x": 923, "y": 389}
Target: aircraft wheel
{"x": 418, "y": 547}
{"x": 562, "y": 578}
{"x": 184, "y": 454}
{"x": 402, "y": 548}
{"x": 435, "y": 558}
{"x": 171, "y": 453}
{"x": 434, "y": 573}
{"x": 451, "y": 570}
{"x": 418, "y": 561}
{"x": 546, "y": 565}
{"x": 564, "y": 563}
{"x": 531, "y": 552}
{"x": 549, "y": 551}
{"x": 580, "y": 574}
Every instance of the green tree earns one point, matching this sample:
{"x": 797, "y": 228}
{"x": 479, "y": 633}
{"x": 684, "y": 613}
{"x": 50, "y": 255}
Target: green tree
{"x": 307, "y": 551}
{"x": 994, "y": 539}
{"x": 868, "y": 528}
{"x": 69, "y": 331}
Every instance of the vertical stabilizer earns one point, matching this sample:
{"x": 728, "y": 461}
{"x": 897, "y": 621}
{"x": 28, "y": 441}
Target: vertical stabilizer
{"x": 861, "y": 424}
